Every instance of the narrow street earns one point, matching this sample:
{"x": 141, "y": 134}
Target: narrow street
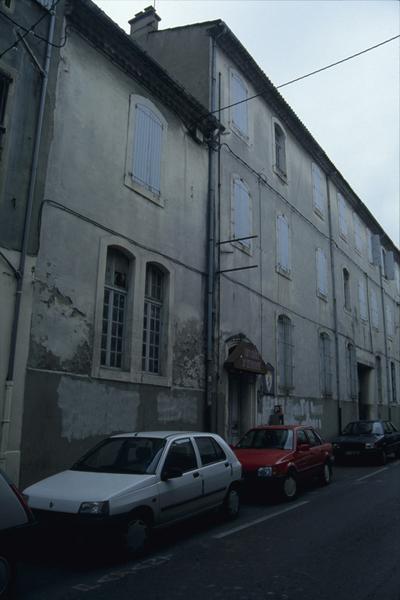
{"x": 341, "y": 542}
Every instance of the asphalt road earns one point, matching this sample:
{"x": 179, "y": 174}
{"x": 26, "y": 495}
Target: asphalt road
{"x": 340, "y": 542}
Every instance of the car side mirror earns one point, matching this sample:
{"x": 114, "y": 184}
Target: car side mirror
{"x": 171, "y": 473}
{"x": 303, "y": 447}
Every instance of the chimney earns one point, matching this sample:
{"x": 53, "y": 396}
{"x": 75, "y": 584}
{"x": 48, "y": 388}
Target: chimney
{"x": 144, "y": 22}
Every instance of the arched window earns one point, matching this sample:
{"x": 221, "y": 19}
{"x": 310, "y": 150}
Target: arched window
{"x": 114, "y": 309}
{"x": 153, "y": 319}
{"x": 325, "y": 355}
{"x": 285, "y": 353}
{"x": 280, "y": 149}
{"x": 346, "y": 289}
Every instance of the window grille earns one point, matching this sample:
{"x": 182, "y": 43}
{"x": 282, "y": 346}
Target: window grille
{"x": 114, "y": 309}
{"x": 153, "y": 320}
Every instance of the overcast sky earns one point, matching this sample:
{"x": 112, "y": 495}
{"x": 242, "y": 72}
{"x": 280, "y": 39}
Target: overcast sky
{"x": 352, "y": 110}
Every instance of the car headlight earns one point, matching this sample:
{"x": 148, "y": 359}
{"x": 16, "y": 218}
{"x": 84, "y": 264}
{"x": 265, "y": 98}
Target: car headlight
{"x": 95, "y": 508}
{"x": 369, "y": 445}
{"x": 264, "y": 472}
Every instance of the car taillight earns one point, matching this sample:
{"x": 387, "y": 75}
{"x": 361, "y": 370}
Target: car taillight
{"x": 23, "y": 502}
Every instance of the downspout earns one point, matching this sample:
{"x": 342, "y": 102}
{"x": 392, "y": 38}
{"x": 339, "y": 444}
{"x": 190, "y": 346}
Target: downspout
{"x": 9, "y": 385}
{"x": 210, "y": 408}
{"x": 335, "y": 310}
{"x": 388, "y": 386}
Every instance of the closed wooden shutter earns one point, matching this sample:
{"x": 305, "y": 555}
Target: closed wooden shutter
{"x": 146, "y": 167}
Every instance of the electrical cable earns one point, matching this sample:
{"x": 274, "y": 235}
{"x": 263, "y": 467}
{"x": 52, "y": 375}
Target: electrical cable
{"x": 36, "y": 35}
{"x": 338, "y": 62}
{"x": 30, "y": 30}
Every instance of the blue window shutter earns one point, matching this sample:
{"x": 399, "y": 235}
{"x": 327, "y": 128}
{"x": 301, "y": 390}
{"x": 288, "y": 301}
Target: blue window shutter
{"x": 238, "y": 94}
{"x": 318, "y": 188}
{"x": 242, "y": 216}
{"x": 147, "y": 148}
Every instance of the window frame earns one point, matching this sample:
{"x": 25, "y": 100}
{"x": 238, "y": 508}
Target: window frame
{"x": 148, "y": 332}
{"x": 282, "y": 173}
{"x": 235, "y": 126}
{"x": 143, "y": 188}
{"x": 285, "y": 353}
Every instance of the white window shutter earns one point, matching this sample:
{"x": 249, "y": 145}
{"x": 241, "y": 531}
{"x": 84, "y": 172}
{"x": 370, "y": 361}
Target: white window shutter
{"x": 374, "y": 309}
{"x": 342, "y": 215}
{"x": 322, "y": 275}
{"x": 389, "y": 266}
{"x": 362, "y": 298}
{"x": 318, "y": 188}
{"x": 376, "y": 249}
{"x": 283, "y": 243}
{"x": 242, "y": 214}
{"x": 146, "y": 168}
{"x": 239, "y": 94}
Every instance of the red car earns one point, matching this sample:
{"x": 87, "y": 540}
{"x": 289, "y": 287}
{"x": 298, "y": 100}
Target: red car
{"x": 283, "y": 456}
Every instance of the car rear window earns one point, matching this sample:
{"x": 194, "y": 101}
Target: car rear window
{"x": 363, "y": 428}
{"x": 135, "y": 455}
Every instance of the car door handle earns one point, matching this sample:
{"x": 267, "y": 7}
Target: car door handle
{"x": 196, "y": 474}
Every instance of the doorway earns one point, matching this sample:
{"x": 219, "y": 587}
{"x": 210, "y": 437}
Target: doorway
{"x": 364, "y": 407}
{"x": 241, "y": 409}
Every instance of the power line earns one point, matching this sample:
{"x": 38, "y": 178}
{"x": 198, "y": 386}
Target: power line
{"x": 36, "y": 35}
{"x": 30, "y": 30}
{"x": 304, "y": 76}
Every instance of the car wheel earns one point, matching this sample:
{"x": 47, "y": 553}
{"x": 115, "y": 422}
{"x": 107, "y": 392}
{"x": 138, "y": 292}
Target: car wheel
{"x": 231, "y": 505}
{"x": 5, "y": 577}
{"x": 289, "y": 487}
{"x": 137, "y": 532}
{"x": 326, "y": 474}
{"x": 382, "y": 457}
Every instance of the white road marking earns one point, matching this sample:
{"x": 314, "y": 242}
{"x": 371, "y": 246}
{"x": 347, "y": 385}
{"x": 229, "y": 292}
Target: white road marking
{"x": 260, "y": 520}
{"x": 371, "y": 474}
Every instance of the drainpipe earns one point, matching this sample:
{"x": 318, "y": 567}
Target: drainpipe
{"x": 9, "y": 385}
{"x": 335, "y": 310}
{"x": 388, "y": 386}
{"x": 210, "y": 416}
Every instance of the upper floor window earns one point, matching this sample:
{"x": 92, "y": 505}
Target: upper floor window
{"x": 362, "y": 299}
{"x": 114, "y": 309}
{"x": 374, "y": 309}
{"x": 147, "y": 129}
{"x": 239, "y": 96}
{"x": 325, "y": 355}
{"x": 359, "y": 234}
{"x": 351, "y": 369}
{"x": 5, "y": 81}
{"x": 241, "y": 213}
{"x": 280, "y": 150}
{"x": 283, "y": 245}
{"x": 342, "y": 210}
{"x": 389, "y": 321}
{"x": 346, "y": 289}
{"x": 322, "y": 274}
{"x": 285, "y": 353}
{"x": 153, "y": 319}
{"x": 319, "y": 190}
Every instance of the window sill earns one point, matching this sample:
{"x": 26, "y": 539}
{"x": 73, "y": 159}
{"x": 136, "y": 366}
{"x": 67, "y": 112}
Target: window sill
{"x": 131, "y": 377}
{"x": 243, "y": 248}
{"x": 143, "y": 191}
{"x": 322, "y": 296}
{"x": 343, "y": 236}
{"x": 284, "y": 272}
{"x": 239, "y": 133}
{"x": 153, "y": 379}
{"x": 319, "y": 213}
{"x": 282, "y": 176}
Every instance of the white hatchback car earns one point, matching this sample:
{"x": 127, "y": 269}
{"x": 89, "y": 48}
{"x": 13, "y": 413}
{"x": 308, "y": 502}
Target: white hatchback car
{"x": 135, "y": 481}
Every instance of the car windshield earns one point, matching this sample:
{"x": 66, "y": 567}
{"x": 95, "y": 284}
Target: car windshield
{"x": 267, "y": 438}
{"x": 135, "y": 455}
{"x": 363, "y": 428}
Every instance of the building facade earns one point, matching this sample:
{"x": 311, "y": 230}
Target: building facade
{"x": 117, "y": 329}
{"x": 307, "y": 283}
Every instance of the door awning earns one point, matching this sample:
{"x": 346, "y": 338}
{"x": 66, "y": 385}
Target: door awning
{"x": 245, "y": 357}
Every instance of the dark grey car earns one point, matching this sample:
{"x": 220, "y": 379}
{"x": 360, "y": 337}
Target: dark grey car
{"x": 376, "y": 439}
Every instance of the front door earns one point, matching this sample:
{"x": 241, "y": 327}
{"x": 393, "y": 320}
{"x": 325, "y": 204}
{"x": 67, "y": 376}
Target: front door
{"x": 241, "y": 407}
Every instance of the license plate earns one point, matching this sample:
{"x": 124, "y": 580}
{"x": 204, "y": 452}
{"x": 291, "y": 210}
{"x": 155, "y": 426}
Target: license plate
{"x": 352, "y": 452}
